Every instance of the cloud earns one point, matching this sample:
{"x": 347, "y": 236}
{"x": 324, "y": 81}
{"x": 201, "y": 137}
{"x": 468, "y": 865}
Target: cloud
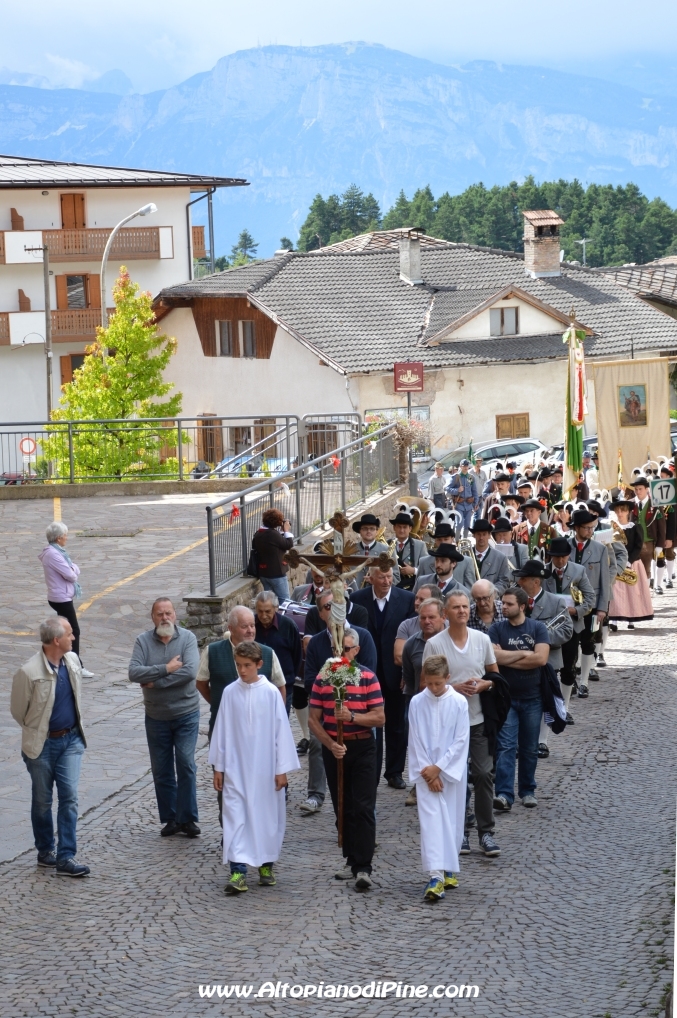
{"x": 69, "y": 73}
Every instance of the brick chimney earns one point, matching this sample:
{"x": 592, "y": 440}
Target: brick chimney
{"x": 410, "y": 256}
{"x": 542, "y": 243}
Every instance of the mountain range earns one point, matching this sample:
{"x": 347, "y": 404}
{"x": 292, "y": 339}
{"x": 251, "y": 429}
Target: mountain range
{"x": 296, "y": 121}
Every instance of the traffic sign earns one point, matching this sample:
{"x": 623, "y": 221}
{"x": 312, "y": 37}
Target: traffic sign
{"x": 664, "y": 491}
{"x": 27, "y": 446}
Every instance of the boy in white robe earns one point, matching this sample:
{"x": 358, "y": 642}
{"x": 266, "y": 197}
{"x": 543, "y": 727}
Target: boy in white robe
{"x": 251, "y": 750}
{"x": 439, "y": 736}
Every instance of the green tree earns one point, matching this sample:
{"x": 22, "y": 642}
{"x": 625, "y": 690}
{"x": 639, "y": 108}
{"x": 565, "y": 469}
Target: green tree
{"x": 221, "y": 264}
{"x": 286, "y": 244}
{"x": 245, "y": 250}
{"x": 399, "y": 215}
{"x": 338, "y": 218}
{"x": 125, "y": 385}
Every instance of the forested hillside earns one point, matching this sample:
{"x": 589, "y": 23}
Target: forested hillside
{"x": 620, "y": 223}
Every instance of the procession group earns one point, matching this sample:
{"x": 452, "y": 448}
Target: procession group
{"x": 457, "y": 646}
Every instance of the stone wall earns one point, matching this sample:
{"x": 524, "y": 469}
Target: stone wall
{"x": 207, "y": 616}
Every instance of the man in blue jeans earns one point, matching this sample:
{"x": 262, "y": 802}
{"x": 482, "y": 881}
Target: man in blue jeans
{"x": 165, "y": 662}
{"x": 522, "y": 646}
{"x": 46, "y": 703}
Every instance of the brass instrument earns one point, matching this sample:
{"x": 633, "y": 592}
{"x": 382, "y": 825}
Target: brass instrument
{"x": 420, "y": 508}
{"x": 619, "y": 533}
{"x": 577, "y": 594}
{"x": 466, "y": 548}
{"x": 628, "y": 576}
{"x": 553, "y": 622}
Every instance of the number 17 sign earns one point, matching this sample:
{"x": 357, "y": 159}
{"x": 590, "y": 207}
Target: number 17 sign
{"x": 664, "y": 491}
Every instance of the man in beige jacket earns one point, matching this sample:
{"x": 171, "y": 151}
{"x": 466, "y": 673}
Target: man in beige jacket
{"x": 46, "y": 703}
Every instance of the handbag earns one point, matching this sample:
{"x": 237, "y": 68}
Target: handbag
{"x": 253, "y": 563}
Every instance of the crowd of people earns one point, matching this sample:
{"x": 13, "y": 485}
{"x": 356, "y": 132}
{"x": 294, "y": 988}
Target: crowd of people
{"x": 462, "y": 641}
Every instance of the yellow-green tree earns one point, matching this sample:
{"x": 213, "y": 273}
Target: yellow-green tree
{"x": 120, "y": 383}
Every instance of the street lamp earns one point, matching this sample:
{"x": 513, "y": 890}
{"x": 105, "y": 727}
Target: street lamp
{"x": 145, "y": 210}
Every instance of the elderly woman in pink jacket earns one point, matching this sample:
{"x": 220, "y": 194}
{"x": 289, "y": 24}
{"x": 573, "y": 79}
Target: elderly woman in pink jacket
{"x": 61, "y": 577}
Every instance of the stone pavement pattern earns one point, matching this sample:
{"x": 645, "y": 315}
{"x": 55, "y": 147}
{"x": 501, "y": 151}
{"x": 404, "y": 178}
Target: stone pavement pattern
{"x": 573, "y": 921}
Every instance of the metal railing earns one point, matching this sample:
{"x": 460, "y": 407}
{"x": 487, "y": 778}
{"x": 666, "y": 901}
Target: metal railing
{"x": 307, "y": 496}
{"x": 166, "y": 448}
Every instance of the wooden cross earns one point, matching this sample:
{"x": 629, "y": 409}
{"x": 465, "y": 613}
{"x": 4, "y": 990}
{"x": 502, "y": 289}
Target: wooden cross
{"x": 339, "y": 524}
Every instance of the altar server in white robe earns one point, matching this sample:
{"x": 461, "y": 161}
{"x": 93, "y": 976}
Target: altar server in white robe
{"x": 252, "y": 750}
{"x": 439, "y": 737}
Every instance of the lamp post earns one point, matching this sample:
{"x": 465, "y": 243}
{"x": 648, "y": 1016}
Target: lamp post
{"x": 145, "y": 210}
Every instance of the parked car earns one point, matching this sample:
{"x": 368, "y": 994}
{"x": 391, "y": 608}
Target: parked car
{"x": 590, "y": 444}
{"x": 514, "y": 450}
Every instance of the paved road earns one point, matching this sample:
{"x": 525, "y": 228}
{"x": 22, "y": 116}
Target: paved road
{"x": 573, "y": 921}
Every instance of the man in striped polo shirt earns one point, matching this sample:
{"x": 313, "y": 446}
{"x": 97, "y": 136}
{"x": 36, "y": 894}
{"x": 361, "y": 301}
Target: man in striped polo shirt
{"x": 361, "y": 712}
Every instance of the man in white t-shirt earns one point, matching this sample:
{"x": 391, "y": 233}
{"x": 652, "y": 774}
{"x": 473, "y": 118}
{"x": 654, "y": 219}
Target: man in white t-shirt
{"x": 470, "y": 656}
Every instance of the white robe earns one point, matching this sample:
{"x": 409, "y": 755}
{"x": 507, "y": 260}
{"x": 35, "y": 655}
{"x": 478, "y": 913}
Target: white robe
{"x": 251, "y": 743}
{"x": 439, "y": 733}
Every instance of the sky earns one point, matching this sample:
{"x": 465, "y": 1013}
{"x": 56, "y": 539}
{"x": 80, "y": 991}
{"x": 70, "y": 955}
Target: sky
{"x": 157, "y": 45}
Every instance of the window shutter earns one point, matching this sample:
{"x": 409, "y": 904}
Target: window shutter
{"x": 79, "y": 211}
{"x": 93, "y": 291}
{"x": 503, "y": 426}
{"x": 495, "y": 321}
{"x": 16, "y": 219}
{"x": 67, "y": 212}
{"x": 24, "y": 301}
{"x": 510, "y": 321}
{"x": 520, "y": 426}
{"x": 61, "y": 292}
{"x": 66, "y": 369}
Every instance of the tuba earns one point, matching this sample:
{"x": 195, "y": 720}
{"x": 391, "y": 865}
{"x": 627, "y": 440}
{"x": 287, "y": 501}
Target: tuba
{"x": 420, "y": 508}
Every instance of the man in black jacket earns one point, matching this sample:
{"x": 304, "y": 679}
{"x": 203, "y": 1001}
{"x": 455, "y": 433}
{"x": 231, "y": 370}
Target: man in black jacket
{"x": 388, "y": 606}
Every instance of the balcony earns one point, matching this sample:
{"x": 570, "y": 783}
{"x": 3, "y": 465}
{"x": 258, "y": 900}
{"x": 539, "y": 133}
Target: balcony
{"x": 79, "y": 325}
{"x": 132, "y": 243}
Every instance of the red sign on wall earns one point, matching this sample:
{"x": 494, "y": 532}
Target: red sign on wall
{"x": 408, "y": 376}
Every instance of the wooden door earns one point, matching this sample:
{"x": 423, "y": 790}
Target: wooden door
{"x": 72, "y": 211}
{"x": 210, "y": 439}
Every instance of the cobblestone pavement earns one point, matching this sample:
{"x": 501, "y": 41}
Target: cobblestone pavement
{"x": 573, "y": 921}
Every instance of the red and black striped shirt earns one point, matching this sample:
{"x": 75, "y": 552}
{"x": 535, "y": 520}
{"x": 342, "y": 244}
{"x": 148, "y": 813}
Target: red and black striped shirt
{"x": 358, "y": 698}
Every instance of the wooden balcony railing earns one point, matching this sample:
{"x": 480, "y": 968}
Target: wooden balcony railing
{"x": 88, "y": 245}
{"x": 199, "y": 249}
{"x": 85, "y": 245}
{"x": 73, "y": 324}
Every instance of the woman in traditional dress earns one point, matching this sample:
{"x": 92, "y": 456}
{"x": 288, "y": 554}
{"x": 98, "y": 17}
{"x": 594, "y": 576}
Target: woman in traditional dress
{"x": 630, "y": 602}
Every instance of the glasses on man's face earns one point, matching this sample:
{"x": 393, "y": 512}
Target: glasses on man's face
{"x": 347, "y": 650}
{"x": 483, "y": 598}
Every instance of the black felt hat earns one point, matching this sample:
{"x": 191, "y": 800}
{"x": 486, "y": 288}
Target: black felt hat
{"x": 366, "y": 520}
{"x": 502, "y": 525}
{"x": 560, "y": 546}
{"x": 531, "y": 568}
{"x": 444, "y": 530}
{"x": 479, "y": 526}
{"x": 402, "y": 518}
{"x": 447, "y": 551}
{"x": 581, "y": 517}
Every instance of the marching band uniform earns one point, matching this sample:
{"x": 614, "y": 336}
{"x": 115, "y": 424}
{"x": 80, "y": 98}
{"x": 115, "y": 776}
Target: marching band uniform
{"x": 409, "y": 552}
{"x": 464, "y": 572}
{"x": 492, "y": 564}
{"x": 560, "y": 581}
{"x": 372, "y": 550}
{"x": 652, "y": 524}
{"x": 537, "y": 536}
{"x": 595, "y": 558}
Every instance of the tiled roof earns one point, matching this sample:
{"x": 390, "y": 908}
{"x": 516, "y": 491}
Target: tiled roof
{"x": 20, "y": 173}
{"x": 385, "y": 240}
{"x": 543, "y": 217}
{"x": 655, "y": 279}
{"x": 352, "y": 308}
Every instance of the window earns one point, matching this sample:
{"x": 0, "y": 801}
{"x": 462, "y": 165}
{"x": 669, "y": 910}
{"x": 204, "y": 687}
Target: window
{"x": 525, "y": 447}
{"x": 248, "y": 339}
{"x": 78, "y": 292}
{"x": 72, "y": 211}
{"x": 512, "y": 426}
{"x": 228, "y": 343}
{"x": 503, "y": 321}
{"x": 70, "y": 363}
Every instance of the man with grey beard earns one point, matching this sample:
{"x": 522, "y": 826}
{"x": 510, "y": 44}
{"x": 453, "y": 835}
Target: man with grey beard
{"x": 165, "y": 662}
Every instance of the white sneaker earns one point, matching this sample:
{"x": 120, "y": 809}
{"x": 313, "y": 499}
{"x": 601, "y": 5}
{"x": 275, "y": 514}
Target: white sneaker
{"x": 310, "y": 806}
{"x": 530, "y": 801}
{"x": 86, "y": 674}
{"x": 345, "y": 873}
{"x": 363, "y": 881}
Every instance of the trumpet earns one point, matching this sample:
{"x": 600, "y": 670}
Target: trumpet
{"x": 628, "y": 576}
{"x": 554, "y": 622}
{"x": 466, "y": 548}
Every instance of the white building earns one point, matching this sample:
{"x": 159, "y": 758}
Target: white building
{"x": 321, "y": 331}
{"x": 71, "y": 208}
